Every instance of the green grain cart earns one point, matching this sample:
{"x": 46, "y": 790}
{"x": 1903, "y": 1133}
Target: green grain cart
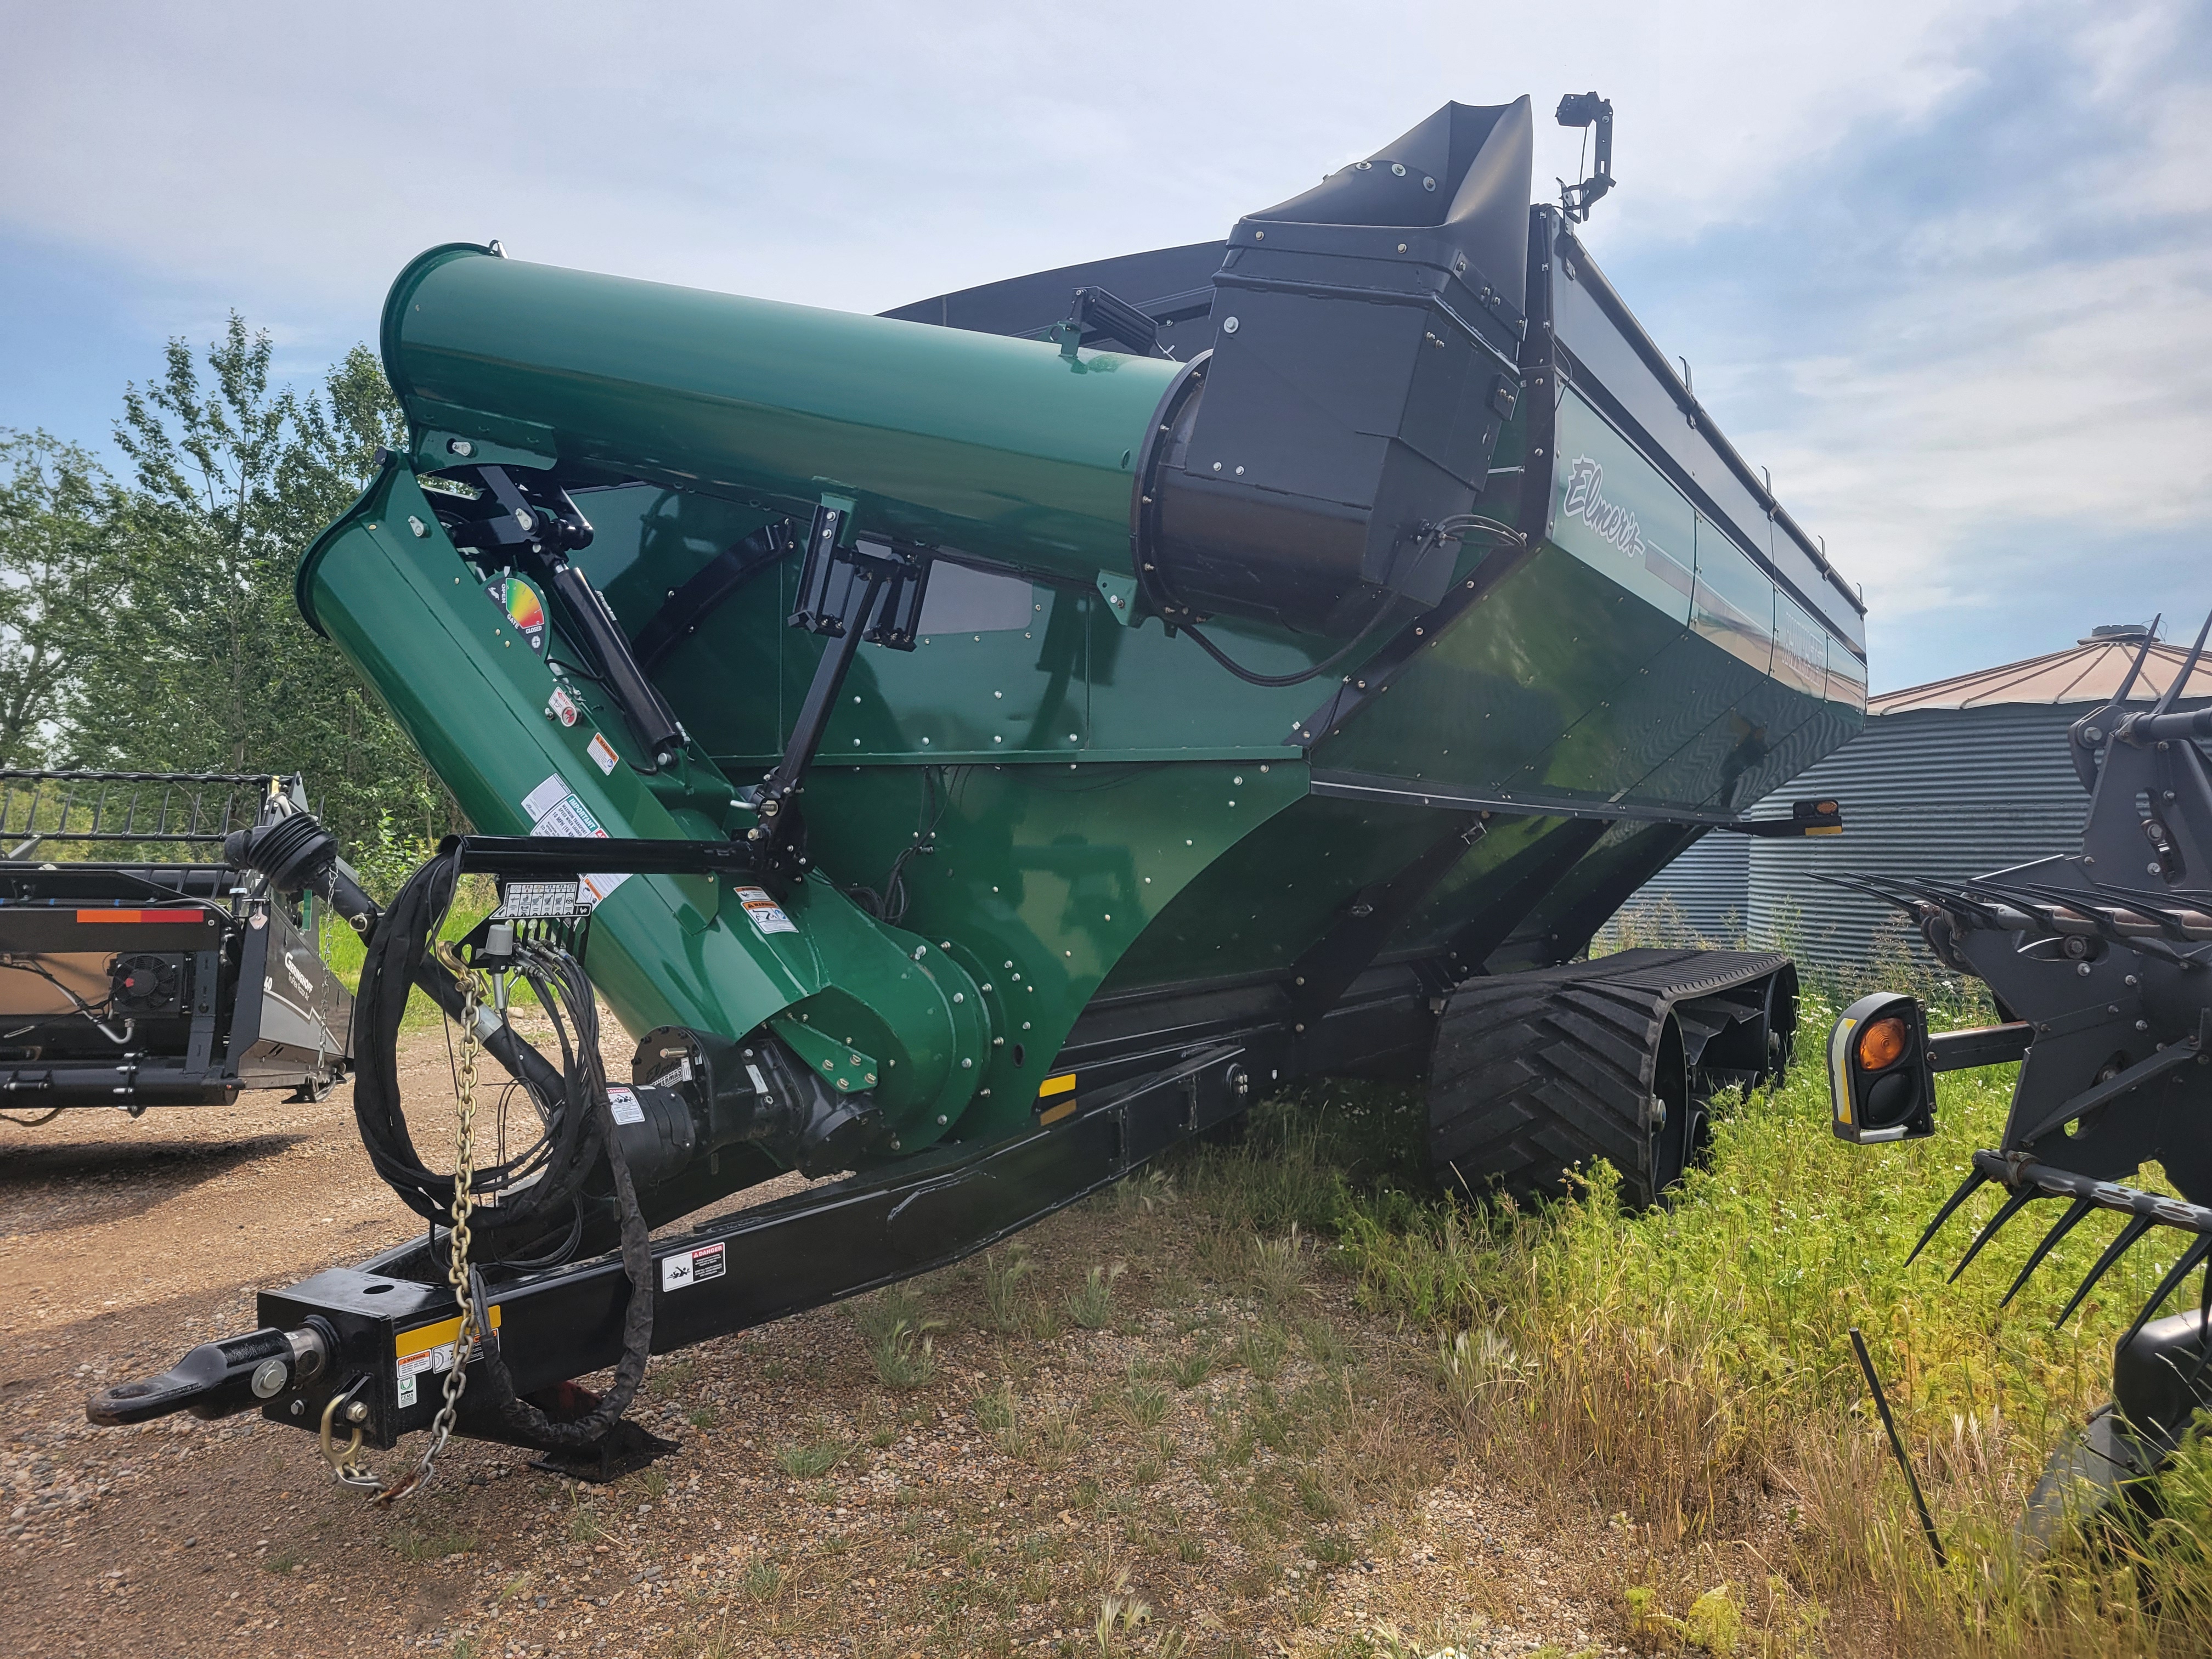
{"x": 981, "y": 745}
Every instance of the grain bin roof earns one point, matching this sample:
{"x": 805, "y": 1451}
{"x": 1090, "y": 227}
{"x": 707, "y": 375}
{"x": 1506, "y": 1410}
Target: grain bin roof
{"x": 2090, "y": 672}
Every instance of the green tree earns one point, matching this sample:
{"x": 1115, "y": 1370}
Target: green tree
{"x": 61, "y": 571}
{"x": 213, "y": 669}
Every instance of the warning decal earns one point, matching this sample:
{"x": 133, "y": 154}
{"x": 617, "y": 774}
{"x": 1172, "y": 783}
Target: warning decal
{"x": 555, "y": 810}
{"x": 427, "y": 1348}
{"x": 625, "y": 1107}
{"x": 689, "y": 1267}
{"x": 764, "y": 912}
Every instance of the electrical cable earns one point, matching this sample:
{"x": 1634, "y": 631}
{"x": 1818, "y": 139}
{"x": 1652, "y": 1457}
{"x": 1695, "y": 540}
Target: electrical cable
{"x": 890, "y": 903}
{"x": 531, "y": 1185}
{"x": 572, "y": 994}
{"x": 579, "y": 1131}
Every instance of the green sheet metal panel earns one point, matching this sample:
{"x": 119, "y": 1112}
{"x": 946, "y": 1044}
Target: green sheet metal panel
{"x": 1042, "y": 878}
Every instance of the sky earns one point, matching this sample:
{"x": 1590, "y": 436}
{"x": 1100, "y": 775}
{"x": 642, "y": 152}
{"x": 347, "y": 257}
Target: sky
{"x": 1943, "y": 268}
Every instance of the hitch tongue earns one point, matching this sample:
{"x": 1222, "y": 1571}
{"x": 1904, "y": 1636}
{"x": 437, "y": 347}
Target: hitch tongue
{"x": 217, "y": 1379}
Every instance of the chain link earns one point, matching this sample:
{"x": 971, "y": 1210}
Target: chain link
{"x": 464, "y": 1202}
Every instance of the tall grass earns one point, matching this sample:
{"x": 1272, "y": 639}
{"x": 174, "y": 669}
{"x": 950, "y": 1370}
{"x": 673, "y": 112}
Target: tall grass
{"x": 1691, "y": 1366}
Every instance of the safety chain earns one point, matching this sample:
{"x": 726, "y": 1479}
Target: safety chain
{"x": 464, "y": 1202}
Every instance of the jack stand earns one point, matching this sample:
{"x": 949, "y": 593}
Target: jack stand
{"x": 626, "y": 1449}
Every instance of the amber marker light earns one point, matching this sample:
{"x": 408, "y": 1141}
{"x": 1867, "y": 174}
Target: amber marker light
{"x": 1883, "y": 1043}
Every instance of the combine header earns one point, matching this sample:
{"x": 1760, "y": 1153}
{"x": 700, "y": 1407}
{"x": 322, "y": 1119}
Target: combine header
{"x": 164, "y": 982}
{"x": 2094, "y": 959}
{"x": 981, "y": 746}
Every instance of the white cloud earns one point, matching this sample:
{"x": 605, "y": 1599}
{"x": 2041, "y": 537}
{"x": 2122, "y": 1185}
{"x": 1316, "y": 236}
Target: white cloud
{"x": 1975, "y": 354}
{"x": 859, "y": 155}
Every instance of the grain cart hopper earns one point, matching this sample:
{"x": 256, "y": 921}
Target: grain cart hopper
{"x": 980, "y": 746}
{"x": 165, "y": 978}
{"x": 2097, "y": 960}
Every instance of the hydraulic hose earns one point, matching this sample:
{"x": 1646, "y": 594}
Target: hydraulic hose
{"x": 572, "y": 1101}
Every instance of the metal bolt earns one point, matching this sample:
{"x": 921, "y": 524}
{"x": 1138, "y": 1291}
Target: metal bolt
{"x": 358, "y": 1412}
{"x": 1257, "y": 236}
{"x": 269, "y": 1379}
{"x": 1229, "y": 326}
{"x": 965, "y": 1064}
{"x": 418, "y": 526}
{"x": 1402, "y": 247}
{"x": 459, "y": 446}
{"x": 1398, "y": 167}
{"x": 2083, "y": 971}
{"x": 2143, "y": 1025}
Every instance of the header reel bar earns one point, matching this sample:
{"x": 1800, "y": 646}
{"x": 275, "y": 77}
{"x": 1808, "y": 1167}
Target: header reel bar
{"x": 82, "y": 807}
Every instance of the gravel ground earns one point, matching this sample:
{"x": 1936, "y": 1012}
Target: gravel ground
{"x": 1214, "y": 1451}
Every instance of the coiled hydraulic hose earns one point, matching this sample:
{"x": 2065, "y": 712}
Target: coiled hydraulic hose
{"x": 533, "y": 1188}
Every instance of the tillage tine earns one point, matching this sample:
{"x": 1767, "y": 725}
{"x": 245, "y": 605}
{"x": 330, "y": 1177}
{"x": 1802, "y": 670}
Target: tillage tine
{"x": 2188, "y": 667}
{"x": 2191, "y": 1257}
{"x": 1974, "y": 1179}
{"x": 2011, "y": 1208}
{"x": 2066, "y": 1223}
{"x": 2134, "y": 1230}
{"x": 2142, "y": 655}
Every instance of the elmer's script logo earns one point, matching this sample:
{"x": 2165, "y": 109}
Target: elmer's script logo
{"x": 1586, "y": 500}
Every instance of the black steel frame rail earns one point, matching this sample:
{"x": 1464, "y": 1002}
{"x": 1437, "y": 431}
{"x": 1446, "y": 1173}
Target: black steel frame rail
{"x": 543, "y": 856}
{"x": 747, "y": 1269}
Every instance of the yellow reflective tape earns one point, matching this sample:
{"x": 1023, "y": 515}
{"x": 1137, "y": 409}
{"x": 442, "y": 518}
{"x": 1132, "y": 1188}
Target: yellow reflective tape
{"x": 1062, "y": 1084}
{"x": 424, "y": 1338}
{"x": 1826, "y": 830}
{"x": 1065, "y": 1109}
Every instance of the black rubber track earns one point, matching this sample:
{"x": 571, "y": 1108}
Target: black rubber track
{"x": 1535, "y": 1073}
